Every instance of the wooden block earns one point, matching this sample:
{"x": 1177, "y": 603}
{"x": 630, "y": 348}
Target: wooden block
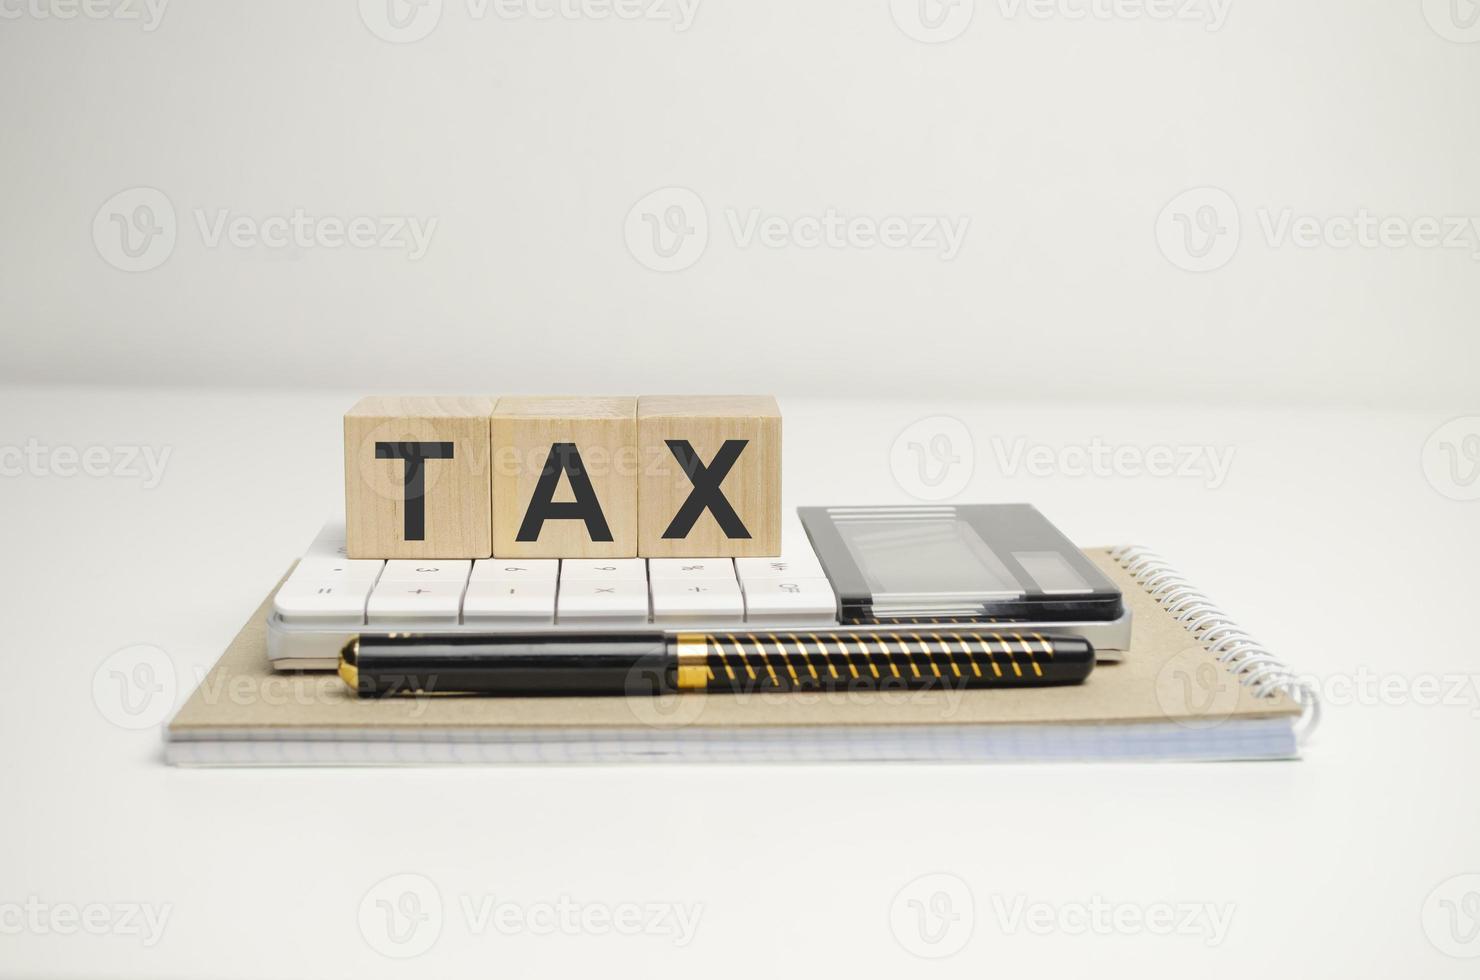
{"x": 710, "y": 483}
{"x": 565, "y": 477}
{"x": 417, "y": 478}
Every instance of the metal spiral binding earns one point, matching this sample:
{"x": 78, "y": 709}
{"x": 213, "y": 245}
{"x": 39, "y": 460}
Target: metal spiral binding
{"x": 1249, "y": 662}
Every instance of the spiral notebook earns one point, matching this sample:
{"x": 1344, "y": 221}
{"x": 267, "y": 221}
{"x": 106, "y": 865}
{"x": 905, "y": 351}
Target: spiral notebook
{"x": 1192, "y": 686}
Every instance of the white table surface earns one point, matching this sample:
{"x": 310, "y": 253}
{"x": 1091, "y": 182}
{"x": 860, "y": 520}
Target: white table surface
{"x": 1326, "y": 539}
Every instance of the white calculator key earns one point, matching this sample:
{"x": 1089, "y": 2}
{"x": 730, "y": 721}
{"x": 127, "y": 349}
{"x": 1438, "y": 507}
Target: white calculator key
{"x": 323, "y": 602}
{"x": 801, "y": 601}
{"x": 529, "y": 570}
{"x": 603, "y": 569}
{"x": 509, "y": 603}
{"x": 414, "y": 603}
{"x": 802, "y": 564}
{"x": 314, "y": 568}
{"x": 698, "y": 600}
{"x": 602, "y": 600}
{"x": 680, "y": 569}
{"x": 426, "y": 570}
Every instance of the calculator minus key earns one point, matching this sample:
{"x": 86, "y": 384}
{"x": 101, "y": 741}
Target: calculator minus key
{"x": 509, "y": 603}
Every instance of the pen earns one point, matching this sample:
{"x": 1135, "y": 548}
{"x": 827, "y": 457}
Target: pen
{"x": 594, "y": 664}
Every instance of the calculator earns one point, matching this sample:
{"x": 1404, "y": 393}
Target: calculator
{"x": 329, "y": 598}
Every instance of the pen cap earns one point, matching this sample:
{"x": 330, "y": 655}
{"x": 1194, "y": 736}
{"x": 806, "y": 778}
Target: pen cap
{"x": 515, "y": 664}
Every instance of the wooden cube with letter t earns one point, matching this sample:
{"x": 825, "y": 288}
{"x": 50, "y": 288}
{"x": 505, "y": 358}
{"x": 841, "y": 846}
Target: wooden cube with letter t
{"x": 565, "y": 477}
{"x": 711, "y": 476}
{"x": 417, "y": 478}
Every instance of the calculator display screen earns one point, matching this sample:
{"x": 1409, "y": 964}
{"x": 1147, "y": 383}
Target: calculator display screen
{"x": 914, "y": 557}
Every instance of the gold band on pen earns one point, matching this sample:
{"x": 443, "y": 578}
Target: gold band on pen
{"x": 349, "y": 664}
{"x": 693, "y": 662}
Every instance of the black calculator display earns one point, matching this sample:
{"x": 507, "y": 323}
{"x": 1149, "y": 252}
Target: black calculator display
{"x": 975, "y": 562}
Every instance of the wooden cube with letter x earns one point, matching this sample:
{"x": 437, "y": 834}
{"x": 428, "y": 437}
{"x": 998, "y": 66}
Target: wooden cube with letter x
{"x": 565, "y": 477}
{"x": 710, "y": 484}
{"x": 418, "y": 478}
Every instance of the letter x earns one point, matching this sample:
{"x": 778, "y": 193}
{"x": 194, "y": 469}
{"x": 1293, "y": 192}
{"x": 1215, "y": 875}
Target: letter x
{"x": 414, "y": 453}
{"x": 706, "y": 494}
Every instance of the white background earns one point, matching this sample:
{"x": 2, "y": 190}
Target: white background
{"x": 1339, "y": 384}
{"x": 529, "y": 141}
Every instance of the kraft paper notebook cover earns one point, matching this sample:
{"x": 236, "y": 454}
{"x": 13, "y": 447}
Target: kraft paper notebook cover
{"x": 1191, "y": 687}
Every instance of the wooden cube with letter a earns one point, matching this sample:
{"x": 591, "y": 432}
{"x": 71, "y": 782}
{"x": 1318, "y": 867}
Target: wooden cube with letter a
{"x": 711, "y": 476}
{"x": 565, "y": 477}
{"x": 418, "y": 478}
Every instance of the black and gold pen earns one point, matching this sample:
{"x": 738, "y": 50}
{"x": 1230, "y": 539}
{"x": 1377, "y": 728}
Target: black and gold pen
{"x": 594, "y": 664}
